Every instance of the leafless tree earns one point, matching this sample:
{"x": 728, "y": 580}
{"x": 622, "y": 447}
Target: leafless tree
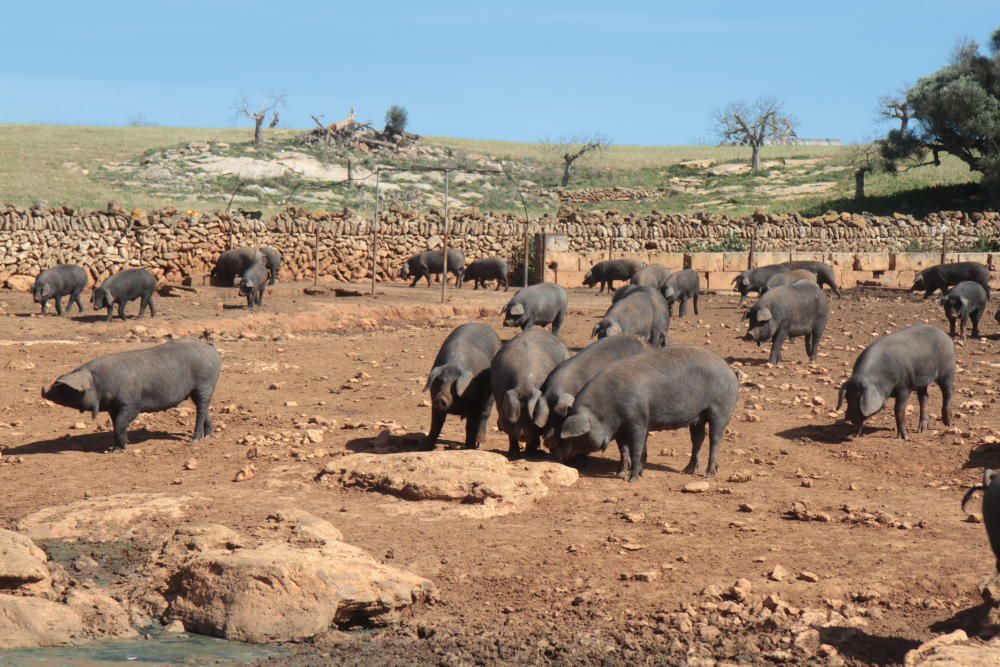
{"x": 245, "y": 109}
{"x": 754, "y": 125}
{"x": 572, "y": 148}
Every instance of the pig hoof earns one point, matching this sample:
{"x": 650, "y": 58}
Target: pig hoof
{"x": 690, "y": 469}
{"x": 114, "y": 450}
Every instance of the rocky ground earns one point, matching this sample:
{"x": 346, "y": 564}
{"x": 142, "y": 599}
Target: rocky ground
{"x": 309, "y": 517}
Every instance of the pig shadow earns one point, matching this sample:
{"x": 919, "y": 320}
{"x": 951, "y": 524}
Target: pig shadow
{"x": 831, "y": 434}
{"x": 607, "y": 467}
{"x": 234, "y": 306}
{"x": 90, "y": 319}
{"x": 984, "y": 456}
{"x": 971, "y": 620}
{"x": 748, "y": 361}
{"x": 89, "y": 442}
{"x": 868, "y": 648}
{"x": 384, "y": 443}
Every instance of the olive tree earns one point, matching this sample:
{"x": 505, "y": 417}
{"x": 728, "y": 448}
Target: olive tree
{"x": 754, "y": 124}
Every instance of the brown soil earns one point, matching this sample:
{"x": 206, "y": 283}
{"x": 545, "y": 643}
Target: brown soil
{"x": 555, "y": 581}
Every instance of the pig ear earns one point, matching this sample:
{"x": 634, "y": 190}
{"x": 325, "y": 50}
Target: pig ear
{"x": 669, "y": 294}
{"x": 79, "y": 381}
{"x": 563, "y": 404}
{"x": 614, "y": 330}
{"x": 517, "y": 309}
{"x": 575, "y": 426}
{"x": 597, "y": 330}
{"x": 841, "y": 394}
{"x": 871, "y": 401}
{"x": 510, "y": 406}
{"x": 433, "y": 375}
{"x": 533, "y": 401}
{"x": 764, "y": 314}
{"x": 988, "y": 477}
{"x": 965, "y": 302}
{"x": 462, "y": 382}
{"x": 540, "y": 413}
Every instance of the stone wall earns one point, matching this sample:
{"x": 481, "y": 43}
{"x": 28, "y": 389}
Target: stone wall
{"x": 177, "y": 244}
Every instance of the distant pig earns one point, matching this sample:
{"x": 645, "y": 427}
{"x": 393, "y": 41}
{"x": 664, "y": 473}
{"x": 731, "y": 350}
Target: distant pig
{"x": 675, "y": 387}
{"x": 253, "y": 282}
{"x": 481, "y": 270}
{"x": 123, "y": 287}
{"x": 59, "y": 281}
{"x": 608, "y": 271}
{"x": 150, "y": 380}
{"x": 431, "y": 263}
{"x": 272, "y": 260}
{"x": 800, "y": 309}
{"x": 651, "y": 275}
{"x": 943, "y": 276}
{"x": 459, "y": 382}
{"x": 681, "y": 286}
{"x": 516, "y": 374}
{"x": 231, "y": 263}
{"x": 569, "y": 377}
{"x": 895, "y": 365}
{"x": 963, "y": 302}
{"x": 541, "y": 304}
{"x": 643, "y": 313}
{"x": 991, "y": 509}
{"x": 789, "y": 277}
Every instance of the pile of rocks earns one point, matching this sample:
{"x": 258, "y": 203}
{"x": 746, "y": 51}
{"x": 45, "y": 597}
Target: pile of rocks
{"x": 598, "y": 195}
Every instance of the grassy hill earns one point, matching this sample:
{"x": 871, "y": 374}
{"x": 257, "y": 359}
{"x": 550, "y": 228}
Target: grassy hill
{"x": 202, "y": 168}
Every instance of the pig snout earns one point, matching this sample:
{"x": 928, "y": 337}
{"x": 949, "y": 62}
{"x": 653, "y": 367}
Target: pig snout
{"x": 442, "y": 401}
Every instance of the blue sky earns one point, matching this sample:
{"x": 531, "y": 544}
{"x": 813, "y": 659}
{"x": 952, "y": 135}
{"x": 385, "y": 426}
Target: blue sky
{"x": 640, "y": 72}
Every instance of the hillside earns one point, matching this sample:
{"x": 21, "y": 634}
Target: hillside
{"x": 203, "y": 168}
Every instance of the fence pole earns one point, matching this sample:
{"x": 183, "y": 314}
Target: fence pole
{"x": 315, "y": 253}
{"x": 944, "y": 243}
{"x": 753, "y": 249}
{"x": 444, "y": 239}
{"x": 375, "y": 229}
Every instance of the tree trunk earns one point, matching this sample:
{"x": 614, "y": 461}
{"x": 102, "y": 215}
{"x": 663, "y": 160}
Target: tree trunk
{"x": 567, "y": 172}
{"x": 755, "y": 158}
{"x": 258, "y": 129}
{"x": 859, "y": 185}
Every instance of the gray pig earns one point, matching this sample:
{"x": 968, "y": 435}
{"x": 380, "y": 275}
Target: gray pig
{"x": 894, "y": 365}
{"x": 679, "y": 386}
{"x": 755, "y": 280}
{"x": 824, "y": 272}
{"x": 272, "y": 259}
{"x": 608, "y": 271}
{"x": 517, "y": 373}
{"x": 150, "y": 380}
{"x": 459, "y": 382}
{"x": 682, "y": 286}
{"x": 963, "y": 302}
{"x": 800, "y": 309}
{"x": 643, "y": 313}
{"x": 230, "y": 264}
{"x": 651, "y": 275}
{"x": 943, "y": 276}
{"x": 123, "y": 287}
{"x": 59, "y": 281}
{"x": 541, "y": 304}
{"x": 991, "y": 509}
{"x": 254, "y": 282}
{"x": 481, "y": 270}
{"x": 627, "y": 290}
{"x": 431, "y": 263}
{"x": 569, "y": 377}
{"x": 789, "y": 277}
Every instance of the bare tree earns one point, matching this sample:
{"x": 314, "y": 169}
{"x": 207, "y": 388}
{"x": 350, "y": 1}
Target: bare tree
{"x": 754, "y": 125}
{"x": 244, "y": 108}
{"x": 575, "y": 147}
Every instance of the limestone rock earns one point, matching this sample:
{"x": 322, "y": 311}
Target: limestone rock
{"x": 20, "y": 283}
{"x": 953, "y": 650}
{"x": 101, "y": 614}
{"x": 22, "y": 564}
{"x": 106, "y": 519}
{"x": 27, "y": 622}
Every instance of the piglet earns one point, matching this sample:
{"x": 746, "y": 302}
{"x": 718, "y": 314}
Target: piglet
{"x": 963, "y": 302}
{"x": 59, "y": 281}
{"x": 541, "y": 304}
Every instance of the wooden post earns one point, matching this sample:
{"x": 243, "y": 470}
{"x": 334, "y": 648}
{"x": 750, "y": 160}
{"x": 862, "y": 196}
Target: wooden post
{"x": 944, "y": 242}
{"x": 315, "y": 253}
{"x": 611, "y": 247}
{"x": 444, "y": 239}
{"x": 350, "y": 173}
{"x": 753, "y": 249}
{"x": 527, "y": 253}
{"x": 375, "y": 229}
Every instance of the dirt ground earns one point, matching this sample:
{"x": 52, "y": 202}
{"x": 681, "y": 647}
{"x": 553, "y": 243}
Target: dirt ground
{"x": 555, "y": 583}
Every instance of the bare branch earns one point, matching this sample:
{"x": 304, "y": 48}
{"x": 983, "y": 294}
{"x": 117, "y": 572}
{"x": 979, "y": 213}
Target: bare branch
{"x": 572, "y": 148}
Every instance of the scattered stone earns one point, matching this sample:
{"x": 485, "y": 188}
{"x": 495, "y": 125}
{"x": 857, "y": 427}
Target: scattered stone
{"x": 696, "y": 487}
{"x": 778, "y": 573}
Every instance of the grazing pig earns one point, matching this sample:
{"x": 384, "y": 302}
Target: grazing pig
{"x": 684, "y": 285}
{"x": 481, "y": 270}
{"x": 516, "y": 374}
{"x": 123, "y": 287}
{"x": 59, "y": 281}
{"x": 651, "y": 275}
{"x": 230, "y": 264}
{"x": 150, "y": 380}
{"x": 459, "y": 382}
{"x": 755, "y": 280}
{"x": 824, "y": 272}
{"x": 787, "y": 278}
{"x": 272, "y": 260}
{"x": 680, "y": 386}
{"x": 431, "y": 263}
{"x": 943, "y": 276}
{"x": 541, "y": 304}
{"x": 894, "y": 365}
{"x": 254, "y": 281}
{"x": 610, "y": 270}
{"x": 800, "y": 309}
{"x": 991, "y": 509}
{"x": 963, "y": 302}
{"x": 251, "y": 215}
{"x": 569, "y": 377}
{"x": 643, "y": 313}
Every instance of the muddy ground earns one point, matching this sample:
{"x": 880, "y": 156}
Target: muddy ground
{"x": 557, "y": 582}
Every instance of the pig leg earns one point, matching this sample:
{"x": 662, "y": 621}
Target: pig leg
{"x": 437, "y": 423}
{"x": 45, "y": 310}
{"x": 922, "y": 399}
{"x": 121, "y": 309}
{"x": 951, "y": 326}
{"x": 484, "y": 418}
{"x": 776, "y": 343}
{"x": 716, "y": 430}
{"x": 557, "y": 323}
{"x": 624, "y": 459}
{"x": 694, "y": 300}
{"x": 975, "y": 323}
{"x": 122, "y": 418}
{"x": 682, "y": 310}
{"x": 428, "y": 276}
{"x": 152, "y": 308}
{"x": 415, "y": 279}
{"x": 637, "y": 451}
{"x": 947, "y": 385}
{"x": 513, "y": 448}
{"x": 697, "y": 440}
{"x": 506, "y": 286}
{"x": 109, "y": 312}
{"x": 902, "y": 396}
{"x": 964, "y": 323}
{"x": 532, "y": 447}
{"x": 58, "y": 301}
{"x": 75, "y": 299}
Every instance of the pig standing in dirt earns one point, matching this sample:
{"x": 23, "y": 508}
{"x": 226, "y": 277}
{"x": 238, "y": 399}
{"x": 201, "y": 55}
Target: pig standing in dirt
{"x": 230, "y": 264}
{"x": 431, "y": 263}
{"x": 907, "y": 360}
{"x": 991, "y": 509}
{"x": 151, "y": 380}
{"x": 671, "y": 388}
{"x": 800, "y": 309}
{"x": 459, "y": 382}
{"x": 682, "y": 286}
{"x": 569, "y": 377}
{"x": 517, "y": 373}
{"x": 272, "y": 259}
{"x": 963, "y": 302}
{"x": 643, "y": 313}
{"x": 823, "y": 272}
{"x": 481, "y": 270}
{"x": 123, "y": 287}
{"x": 755, "y": 280}
{"x": 651, "y": 275}
{"x": 943, "y": 276}
{"x": 610, "y": 270}
{"x": 253, "y": 282}
{"x": 541, "y": 304}
{"x": 787, "y": 278}
{"x": 59, "y": 281}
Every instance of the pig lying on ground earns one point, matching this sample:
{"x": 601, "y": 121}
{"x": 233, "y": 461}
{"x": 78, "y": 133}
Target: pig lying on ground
{"x": 431, "y": 263}
{"x": 459, "y": 382}
{"x": 516, "y": 374}
{"x": 943, "y": 276}
{"x": 800, "y": 309}
{"x": 541, "y": 304}
{"x": 272, "y": 259}
{"x": 643, "y": 313}
{"x": 569, "y": 377}
{"x": 481, "y": 270}
{"x": 787, "y": 278}
{"x": 123, "y": 287}
{"x": 59, "y": 281}
{"x": 151, "y": 380}
{"x": 963, "y": 302}
{"x": 253, "y": 282}
{"x": 671, "y": 388}
{"x": 894, "y": 365}
{"x": 608, "y": 271}
{"x": 682, "y": 286}
{"x": 991, "y": 509}
{"x": 230, "y": 264}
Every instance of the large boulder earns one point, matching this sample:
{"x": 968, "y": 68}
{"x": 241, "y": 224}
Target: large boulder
{"x": 954, "y": 649}
{"x": 20, "y": 283}
{"x": 22, "y": 564}
{"x": 108, "y": 518}
{"x": 27, "y": 622}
